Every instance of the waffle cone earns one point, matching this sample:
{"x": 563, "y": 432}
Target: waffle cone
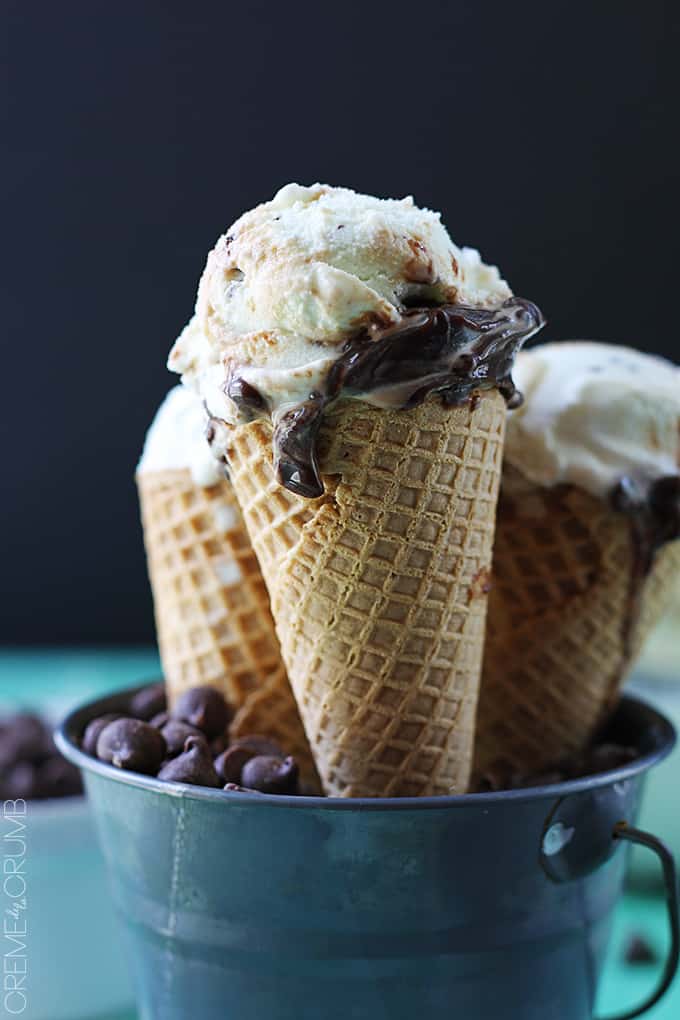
{"x": 378, "y": 588}
{"x": 211, "y": 605}
{"x": 569, "y": 611}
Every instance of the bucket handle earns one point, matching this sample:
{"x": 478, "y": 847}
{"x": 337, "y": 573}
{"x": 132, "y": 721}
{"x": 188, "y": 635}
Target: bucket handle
{"x": 627, "y": 833}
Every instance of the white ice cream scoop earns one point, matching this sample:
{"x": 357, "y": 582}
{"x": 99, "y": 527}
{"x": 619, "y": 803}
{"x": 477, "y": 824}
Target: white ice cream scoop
{"x": 593, "y": 414}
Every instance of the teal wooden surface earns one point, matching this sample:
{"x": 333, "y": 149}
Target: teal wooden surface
{"x": 624, "y": 985}
{"x": 55, "y": 680}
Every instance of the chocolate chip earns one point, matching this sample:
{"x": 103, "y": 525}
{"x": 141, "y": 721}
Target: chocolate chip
{"x": 260, "y": 745}
{"x": 541, "y": 779}
{"x": 606, "y": 757}
{"x": 59, "y": 778}
{"x": 602, "y": 757}
{"x": 20, "y": 782}
{"x": 176, "y": 734}
{"x": 638, "y": 950}
{"x": 229, "y": 764}
{"x": 193, "y": 766}
{"x": 204, "y": 708}
{"x": 220, "y": 744}
{"x": 149, "y": 702}
{"x": 93, "y": 729}
{"x": 483, "y": 785}
{"x": 31, "y": 768}
{"x": 307, "y": 789}
{"x": 25, "y": 738}
{"x": 269, "y": 774}
{"x": 159, "y": 721}
{"x": 132, "y": 745}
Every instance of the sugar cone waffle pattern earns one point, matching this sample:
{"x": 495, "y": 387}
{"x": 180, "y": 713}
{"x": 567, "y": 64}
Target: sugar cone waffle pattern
{"x": 378, "y": 588}
{"x": 212, "y": 609}
{"x": 564, "y": 624}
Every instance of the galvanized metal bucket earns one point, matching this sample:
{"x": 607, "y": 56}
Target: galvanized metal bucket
{"x": 485, "y": 907}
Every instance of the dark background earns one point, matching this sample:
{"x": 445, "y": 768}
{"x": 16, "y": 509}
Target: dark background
{"x": 134, "y": 133}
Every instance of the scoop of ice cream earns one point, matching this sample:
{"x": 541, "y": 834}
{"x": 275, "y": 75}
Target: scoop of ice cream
{"x": 176, "y": 439}
{"x": 292, "y": 279}
{"x": 594, "y": 413}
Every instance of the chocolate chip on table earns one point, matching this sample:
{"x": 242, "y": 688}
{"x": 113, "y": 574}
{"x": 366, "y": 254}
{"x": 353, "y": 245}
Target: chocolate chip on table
{"x": 57, "y": 777}
{"x": 90, "y": 737}
{"x": 638, "y": 950}
{"x": 25, "y": 738}
{"x": 132, "y": 745}
{"x": 205, "y": 708}
{"x": 270, "y": 774}
{"x": 26, "y": 780}
{"x": 175, "y": 733}
{"x": 148, "y": 702}
{"x": 20, "y": 781}
{"x": 194, "y": 766}
{"x": 31, "y": 768}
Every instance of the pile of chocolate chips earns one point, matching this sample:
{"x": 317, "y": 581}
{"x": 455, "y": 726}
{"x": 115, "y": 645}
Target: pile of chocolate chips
{"x": 31, "y": 768}
{"x": 600, "y": 757}
{"x": 190, "y": 744}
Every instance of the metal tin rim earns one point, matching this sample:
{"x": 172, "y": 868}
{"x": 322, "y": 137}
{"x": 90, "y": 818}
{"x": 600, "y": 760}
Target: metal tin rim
{"x": 76, "y": 721}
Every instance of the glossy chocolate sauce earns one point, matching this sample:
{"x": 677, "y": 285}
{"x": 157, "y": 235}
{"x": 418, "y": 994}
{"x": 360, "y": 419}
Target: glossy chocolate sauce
{"x": 451, "y": 350}
{"x": 653, "y": 507}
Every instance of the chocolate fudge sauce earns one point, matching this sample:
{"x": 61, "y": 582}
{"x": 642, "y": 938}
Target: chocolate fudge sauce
{"x": 451, "y": 350}
{"x": 653, "y": 506}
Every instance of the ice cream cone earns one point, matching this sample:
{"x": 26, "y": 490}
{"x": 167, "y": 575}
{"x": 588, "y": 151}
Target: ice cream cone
{"x": 570, "y": 607}
{"x": 212, "y": 609}
{"x": 379, "y": 587}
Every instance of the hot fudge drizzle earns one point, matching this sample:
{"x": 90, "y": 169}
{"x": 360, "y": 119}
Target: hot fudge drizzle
{"x": 451, "y": 350}
{"x": 653, "y": 508}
